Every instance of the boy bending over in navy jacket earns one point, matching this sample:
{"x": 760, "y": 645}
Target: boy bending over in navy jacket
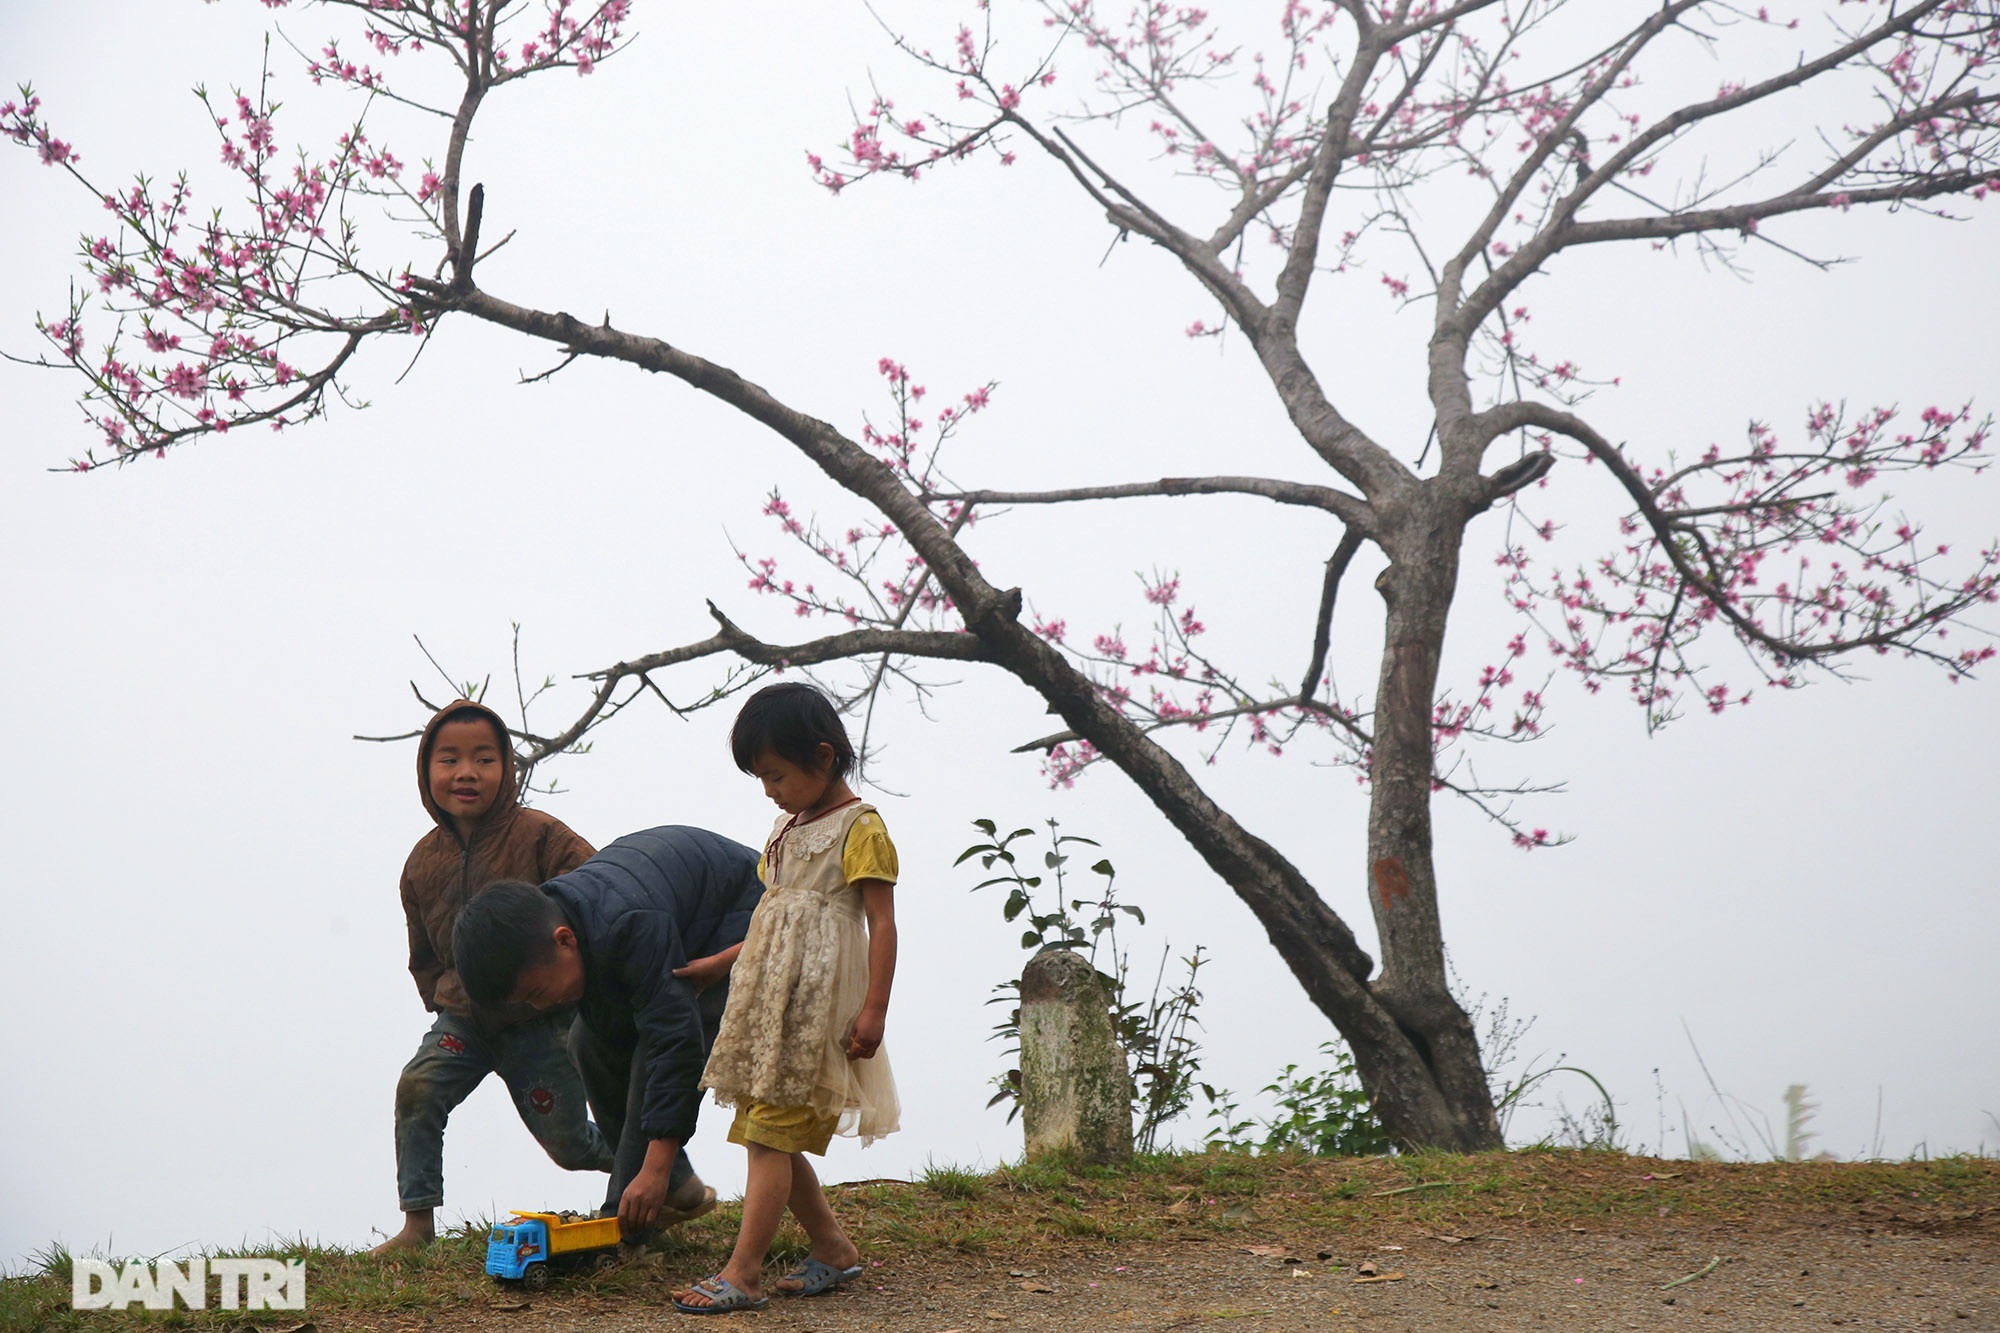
{"x": 639, "y": 938}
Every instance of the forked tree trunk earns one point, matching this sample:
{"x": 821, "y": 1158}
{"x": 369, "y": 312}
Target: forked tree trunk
{"x": 1416, "y": 590}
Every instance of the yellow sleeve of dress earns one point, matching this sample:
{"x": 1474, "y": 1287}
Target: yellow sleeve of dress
{"x": 869, "y": 854}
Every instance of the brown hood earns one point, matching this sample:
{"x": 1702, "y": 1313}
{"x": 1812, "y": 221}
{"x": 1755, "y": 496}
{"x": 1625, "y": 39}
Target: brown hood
{"x": 444, "y": 870}
{"x": 509, "y": 798}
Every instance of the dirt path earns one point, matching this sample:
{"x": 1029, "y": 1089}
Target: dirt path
{"x": 1525, "y": 1242}
{"x": 1523, "y": 1278}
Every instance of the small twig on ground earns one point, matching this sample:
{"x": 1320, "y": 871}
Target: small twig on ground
{"x": 1704, "y": 1271}
{"x": 1406, "y": 1189}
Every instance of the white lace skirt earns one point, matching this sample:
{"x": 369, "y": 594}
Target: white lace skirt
{"x": 793, "y": 996}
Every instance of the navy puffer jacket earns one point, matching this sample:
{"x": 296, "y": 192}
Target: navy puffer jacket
{"x": 640, "y": 908}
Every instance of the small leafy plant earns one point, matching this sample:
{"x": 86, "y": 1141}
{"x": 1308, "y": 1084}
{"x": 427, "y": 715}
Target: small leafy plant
{"x": 1326, "y": 1114}
{"x": 1157, "y": 1032}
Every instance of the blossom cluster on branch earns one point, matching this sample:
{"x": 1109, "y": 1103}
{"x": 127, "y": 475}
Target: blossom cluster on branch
{"x": 872, "y": 577}
{"x": 193, "y": 323}
{"x": 1785, "y": 547}
{"x": 198, "y": 320}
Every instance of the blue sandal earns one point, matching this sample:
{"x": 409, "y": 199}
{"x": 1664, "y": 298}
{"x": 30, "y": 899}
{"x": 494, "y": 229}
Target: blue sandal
{"x": 815, "y": 1278}
{"x": 723, "y": 1295}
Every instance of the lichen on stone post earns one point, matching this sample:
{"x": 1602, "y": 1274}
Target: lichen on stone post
{"x": 1076, "y": 1096}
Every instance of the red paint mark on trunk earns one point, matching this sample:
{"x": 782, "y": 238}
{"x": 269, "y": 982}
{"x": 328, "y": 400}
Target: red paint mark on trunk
{"x": 1391, "y": 881}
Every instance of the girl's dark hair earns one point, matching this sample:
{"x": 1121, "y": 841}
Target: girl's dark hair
{"x": 791, "y": 721}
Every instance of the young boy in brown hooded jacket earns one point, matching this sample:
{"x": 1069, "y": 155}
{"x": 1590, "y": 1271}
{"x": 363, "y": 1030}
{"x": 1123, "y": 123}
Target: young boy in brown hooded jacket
{"x": 465, "y": 775}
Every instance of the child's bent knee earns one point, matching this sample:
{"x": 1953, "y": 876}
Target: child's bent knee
{"x": 573, "y": 1154}
{"x": 414, "y": 1094}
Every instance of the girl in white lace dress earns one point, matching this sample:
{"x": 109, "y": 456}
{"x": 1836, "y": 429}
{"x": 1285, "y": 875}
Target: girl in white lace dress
{"x": 800, "y": 1051}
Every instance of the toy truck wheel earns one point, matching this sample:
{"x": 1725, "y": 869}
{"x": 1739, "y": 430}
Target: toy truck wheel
{"x": 605, "y": 1261}
{"x": 535, "y": 1277}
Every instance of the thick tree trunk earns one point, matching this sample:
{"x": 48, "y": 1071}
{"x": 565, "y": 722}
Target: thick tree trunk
{"x": 1416, "y": 591}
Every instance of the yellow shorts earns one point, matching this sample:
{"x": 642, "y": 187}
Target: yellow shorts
{"x": 786, "y": 1128}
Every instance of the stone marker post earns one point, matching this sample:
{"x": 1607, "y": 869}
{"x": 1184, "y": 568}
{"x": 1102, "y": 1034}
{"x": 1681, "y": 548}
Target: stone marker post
{"x": 1076, "y": 1095}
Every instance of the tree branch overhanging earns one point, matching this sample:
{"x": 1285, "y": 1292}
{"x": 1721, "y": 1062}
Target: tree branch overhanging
{"x": 731, "y": 638}
{"x": 1681, "y": 542}
{"x": 1351, "y": 509}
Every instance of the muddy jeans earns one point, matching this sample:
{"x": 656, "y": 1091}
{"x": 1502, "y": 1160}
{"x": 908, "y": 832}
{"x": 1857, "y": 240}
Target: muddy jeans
{"x": 455, "y": 1057}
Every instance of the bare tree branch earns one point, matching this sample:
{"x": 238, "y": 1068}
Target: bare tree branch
{"x": 1562, "y": 229}
{"x": 1336, "y": 567}
{"x": 729, "y": 638}
{"x": 1351, "y": 509}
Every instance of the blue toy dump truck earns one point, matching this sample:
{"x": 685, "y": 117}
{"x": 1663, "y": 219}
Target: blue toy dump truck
{"x": 529, "y": 1246}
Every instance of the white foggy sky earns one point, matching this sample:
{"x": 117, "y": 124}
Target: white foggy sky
{"x": 211, "y": 1003}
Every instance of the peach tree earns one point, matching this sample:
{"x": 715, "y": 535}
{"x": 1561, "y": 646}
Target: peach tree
{"x": 1429, "y": 156}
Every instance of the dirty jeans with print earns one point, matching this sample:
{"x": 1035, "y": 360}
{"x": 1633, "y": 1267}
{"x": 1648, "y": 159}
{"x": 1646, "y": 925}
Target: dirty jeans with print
{"x": 455, "y": 1057}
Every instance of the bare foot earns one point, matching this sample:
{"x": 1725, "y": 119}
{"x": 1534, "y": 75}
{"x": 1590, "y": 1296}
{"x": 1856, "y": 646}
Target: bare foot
{"x": 418, "y": 1231}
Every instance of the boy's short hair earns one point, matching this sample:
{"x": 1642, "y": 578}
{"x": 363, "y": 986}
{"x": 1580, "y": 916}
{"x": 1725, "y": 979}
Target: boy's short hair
{"x": 507, "y": 928}
{"x": 790, "y": 720}
{"x": 464, "y": 711}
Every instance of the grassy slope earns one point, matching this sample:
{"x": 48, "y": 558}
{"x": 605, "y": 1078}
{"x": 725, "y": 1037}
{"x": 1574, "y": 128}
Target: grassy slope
{"x": 1022, "y": 1211}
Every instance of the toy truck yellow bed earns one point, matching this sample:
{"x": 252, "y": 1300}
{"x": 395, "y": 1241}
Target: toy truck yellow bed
{"x": 593, "y": 1233}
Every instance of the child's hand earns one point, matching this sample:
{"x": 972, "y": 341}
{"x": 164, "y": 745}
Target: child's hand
{"x": 865, "y": 1037}
{"x": 705, "y": 972}
{"x": 639, "y": 1206}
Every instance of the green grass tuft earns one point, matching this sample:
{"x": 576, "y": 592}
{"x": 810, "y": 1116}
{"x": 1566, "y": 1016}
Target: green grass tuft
{"x": 954, "y": 1182}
